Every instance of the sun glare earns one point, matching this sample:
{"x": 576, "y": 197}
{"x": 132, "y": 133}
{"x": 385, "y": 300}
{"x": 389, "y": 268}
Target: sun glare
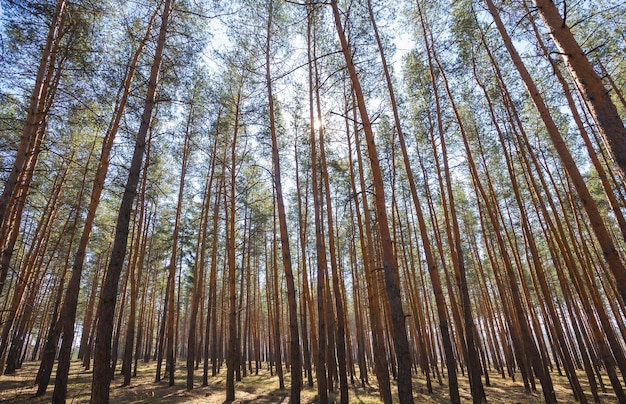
{"x": 317, "y": 124}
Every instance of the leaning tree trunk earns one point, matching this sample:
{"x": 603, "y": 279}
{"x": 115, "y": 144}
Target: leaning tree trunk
{"x": 602, "y": 234}
{"x": 588, "y": 82}
{"x": 68, "y": 311}
{"x": 36, "y": 110}
{"x": 392, "y": 281}
{"x": 600, "y": 170}
{"x": 102, "y": 350}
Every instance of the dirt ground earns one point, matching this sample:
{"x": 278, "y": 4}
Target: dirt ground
{"x": 261, "y": 388}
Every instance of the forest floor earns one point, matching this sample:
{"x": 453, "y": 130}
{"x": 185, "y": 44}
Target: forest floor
{"x": 261, "y": 388}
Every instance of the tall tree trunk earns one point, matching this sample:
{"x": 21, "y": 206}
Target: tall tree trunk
{"x": 367, "y": 252}
{"x": 340, "y": 335}
{"x": 211, "y": 319}
{"x": 392, "y": 281}
{"x": 322, "y": 382}
{"x": 170, "y": 363}
{"x": 231, "y": 347}
{"x": 276, "y": 313}
{"x": 588, "y": 82}
{"x": 102, "y": 349}
{"x": 160, "y": 345}
{"x": 294, "y": 351}
{"x": 135, "y": 267}
{"x": 305, "y": 299}
{"x": 198, "y": 276}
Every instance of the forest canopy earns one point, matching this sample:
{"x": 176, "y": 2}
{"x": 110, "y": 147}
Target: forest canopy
{"x": 347, "y": 193}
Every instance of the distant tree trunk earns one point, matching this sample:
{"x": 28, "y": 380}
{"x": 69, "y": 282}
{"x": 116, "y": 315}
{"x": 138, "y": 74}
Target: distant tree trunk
{"x": 359, "y": 321}
{"x": 392, "y": 281}
{"x": 211, "y": 319}
{"x": 102, "y": 350}
{"x": 134, "y": 266}
{"x": 170, "y": 363}
{"x": 414, "y": 296}
{"x": 305, "y": 300}
{"x": 160, "y": 348}
{"x": 246, "y": 277}
{"x": 92, "y": 326}
{"x": 89, "y": 310}
{"x": 65, "y": 351}
{"x": 240, "y": 303}
{"x": 120, "y": 315}
{"x": 276, "y": 314}
{"x": 144, "y": 335}
{"x": 198, "y": 278}
{"x": 212, "y": 304}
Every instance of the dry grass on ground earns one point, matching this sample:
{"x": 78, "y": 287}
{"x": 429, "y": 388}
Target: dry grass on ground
{"x": 261, "y": 388}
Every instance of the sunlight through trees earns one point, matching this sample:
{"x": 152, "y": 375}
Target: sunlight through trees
{"x": 410, "y": 197}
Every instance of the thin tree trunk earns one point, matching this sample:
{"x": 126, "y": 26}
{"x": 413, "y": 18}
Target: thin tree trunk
{"x": 170, "y": 364}
{"x": 275, "y": 323}
{"x": 322, "y": 382}
{"x": 305, "y": 300}
{"x": 211, "y": 321}
{"x": 231, "y": 354}
{"x": 294, "y": 351}
{"x": 332, "y": 251}
{"x": 198, "y": 275}
{"x": 136, "y": 270}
